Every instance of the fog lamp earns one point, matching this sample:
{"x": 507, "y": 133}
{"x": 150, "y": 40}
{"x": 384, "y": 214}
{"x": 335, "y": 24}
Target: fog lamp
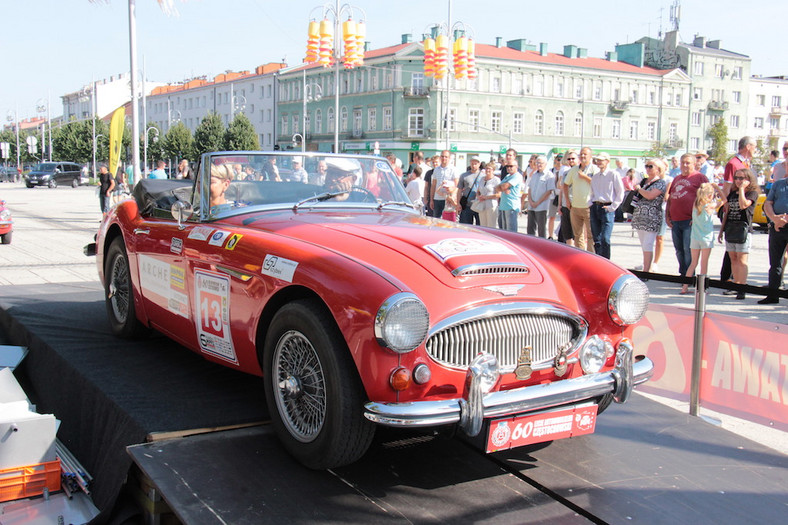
{"x": 400, "y": 379}
{"x": 594, "y": 353}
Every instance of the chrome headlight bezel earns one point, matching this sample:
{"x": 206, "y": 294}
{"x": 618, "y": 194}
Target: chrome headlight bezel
{"x": 402, "y": 323}
{"x": 628, "y": 300}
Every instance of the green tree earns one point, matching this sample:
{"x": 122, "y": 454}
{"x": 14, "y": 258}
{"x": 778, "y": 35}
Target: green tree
{"x": 209, "y": 135}
{"x": 178, "y": 142}
{"x": 719, "y": 142}
{"x": 659, "y": 150}
{"x": 240, "y": 135}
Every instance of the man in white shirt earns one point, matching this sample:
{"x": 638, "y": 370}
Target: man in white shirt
{"x": 607, "y": 193}
{"x": 541, "y": 188}
{"x": 440, "y": 175}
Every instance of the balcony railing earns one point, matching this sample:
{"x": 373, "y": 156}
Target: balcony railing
{"x": 777, "y": 111}
{"x": 618, "y": 106}
{"x": 717, "y": 105}
{"x": 675, "y": 143}
{"x": 417, "y": 92}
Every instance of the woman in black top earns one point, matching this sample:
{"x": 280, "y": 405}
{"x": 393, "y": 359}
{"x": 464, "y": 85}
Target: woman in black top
{"x": 737, "y": 223}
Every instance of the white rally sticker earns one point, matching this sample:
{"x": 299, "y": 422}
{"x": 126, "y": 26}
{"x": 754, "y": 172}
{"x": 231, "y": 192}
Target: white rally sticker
{"x": 162, "y": 279}
{"x": 448, "y": 248}
{"x": 200, "y": 233}
{"x": 176, "y": 245}
{"x": 218, "y": 238}
{"x": 279, "y": 268}
{"x": 212, "y": 293}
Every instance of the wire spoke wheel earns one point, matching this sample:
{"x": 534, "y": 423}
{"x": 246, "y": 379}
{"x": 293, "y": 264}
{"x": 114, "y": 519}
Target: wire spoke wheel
{"x": 301, "y": 388}
{"x": 119, "y": 288}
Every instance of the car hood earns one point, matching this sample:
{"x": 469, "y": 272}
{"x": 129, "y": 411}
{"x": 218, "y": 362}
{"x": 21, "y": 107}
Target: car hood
{"x": 458, "y": 255}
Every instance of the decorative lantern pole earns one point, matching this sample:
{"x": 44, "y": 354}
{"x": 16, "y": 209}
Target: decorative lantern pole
{"x": 437, "y": 43}
{"x": 324, "y": 49}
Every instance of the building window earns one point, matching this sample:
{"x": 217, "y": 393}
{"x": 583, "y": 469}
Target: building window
{"x": 417, "y": 83}
{"x": 495, "y": 121}
{"x": 307, "y": 122}
{"x": 597, "y": 91}
{"x": 330, "y": 118}
{"x": 697, "y": 93}
{"x": 517, "y": 123}
{"x": 538, "y": 86}
{"x": 495, "y": 84}
{"x": 776, "y": 101}
{"x": 698, "y": 68}
{"x": 387, "y": 124}
{"x": 285, "y": 120}
{"x": 695, "y": 143}
{"x": 597, "y": 127}
{"x": 673, "y": 130}
{"x": 539, "y": 122}
{"x": 737, "y": 97}
{"x": 734, "y": 121}
{"x": 559, "y": 88}
{"x": 718, "y": 70}
{"x": 652, "y": 98}
{"x": 634, "y": 98}
{"x": 579, "y": 89}
{"x": 559, "y": 123}
{"x": 760, "y": 99}
{"x": 373, "y": 81}
{"x": 473, "y": 119}
{"x": 517, "y": 85}
{"x": 578, "y": 125}
{"x": 678, "y": 99}
{"x": 372, "y": 119}
{"x": 318, "y": 121}
{"x": 452, "y": 119}
{"x": 616, "y": 128}
{"x": 651, "y": 130}
{"x": 774, "y": 123}
{"x": 357, "y": 122}
{"x": 416, "y": 122}
{"x": 343, "y": 119}
{"x": 296, "y": 120}
{"x": 633, "y": 129}
{"x": 696, "y": 118}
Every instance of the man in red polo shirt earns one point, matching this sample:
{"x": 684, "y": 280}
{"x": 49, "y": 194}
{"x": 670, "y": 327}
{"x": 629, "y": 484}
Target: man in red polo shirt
{"x": 678, "y": 212}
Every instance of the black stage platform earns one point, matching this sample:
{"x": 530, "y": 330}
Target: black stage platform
{"x": 646, "y": 463}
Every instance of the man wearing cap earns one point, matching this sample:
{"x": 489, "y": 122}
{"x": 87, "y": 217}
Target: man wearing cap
{"x": 299, "y": 173}
{"x": 607, "y": 193}
{"x": 467, "y": 189}
{"x": 702, "y": 165}
{"x": 578, "y": 180}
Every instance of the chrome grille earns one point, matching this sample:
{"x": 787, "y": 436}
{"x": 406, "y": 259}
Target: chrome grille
{"x": 504, "y": 335}
{"x": 490, "y": 269}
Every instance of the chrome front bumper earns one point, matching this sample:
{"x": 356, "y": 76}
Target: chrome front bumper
{"x": 471, "y": 411}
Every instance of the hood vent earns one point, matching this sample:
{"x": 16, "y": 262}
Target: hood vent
{"x": 490, "y": 269}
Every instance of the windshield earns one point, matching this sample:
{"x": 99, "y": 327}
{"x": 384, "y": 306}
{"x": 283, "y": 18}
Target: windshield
{"x": 237, "y": 182}
{"x": 45, "y": 166}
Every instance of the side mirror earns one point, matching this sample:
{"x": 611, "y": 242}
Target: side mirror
{"x": 181, "y": 211}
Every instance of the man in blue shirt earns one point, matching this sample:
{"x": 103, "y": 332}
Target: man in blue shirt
{"x": 159, "y": 172}
{"x": 511, "y": 189}
{"x": 776, "y": 209}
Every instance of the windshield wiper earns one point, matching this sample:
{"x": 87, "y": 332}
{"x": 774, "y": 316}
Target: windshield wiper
{"x": 319, "y": 198}
{"x": 395, "y": 203}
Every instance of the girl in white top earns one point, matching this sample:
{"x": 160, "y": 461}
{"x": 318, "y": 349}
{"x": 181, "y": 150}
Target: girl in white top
{"x": 415, "y": 188}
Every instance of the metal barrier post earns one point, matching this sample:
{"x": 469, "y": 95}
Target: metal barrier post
{"x": 697, "y": 343}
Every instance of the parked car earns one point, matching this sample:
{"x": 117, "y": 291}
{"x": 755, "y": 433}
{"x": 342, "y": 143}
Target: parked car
{"x": 53, "y": 173}
{"x": 358, "y": 311}
{"x": 6, "y": 224}
{"x": 8, "y": 173}
{"x": 759, "y": 217}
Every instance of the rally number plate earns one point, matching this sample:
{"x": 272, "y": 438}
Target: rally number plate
{"x": 537, "y": 428}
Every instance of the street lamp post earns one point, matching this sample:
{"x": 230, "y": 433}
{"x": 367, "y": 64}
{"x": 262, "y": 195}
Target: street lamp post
{"x": 582, "y": 103}
{"x": 95, "y": 141}
{"x": 15, "y": 120}
{"x": 42, "y": 106}
{"x": 300, "y": 136}
{"x": 145, "y": 149}
{"x": 337, "y": 11}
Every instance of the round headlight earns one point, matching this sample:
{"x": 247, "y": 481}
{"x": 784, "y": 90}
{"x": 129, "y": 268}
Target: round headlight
{"x": 402, "y": 323}
{"x": 594, "y": 353}
{"x": 628, "y": 300}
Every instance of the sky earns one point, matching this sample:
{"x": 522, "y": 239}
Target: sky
{"x": 52, "y": 47}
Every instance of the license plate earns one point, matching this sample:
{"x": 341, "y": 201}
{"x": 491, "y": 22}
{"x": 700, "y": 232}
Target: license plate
{"x": 537, "y": 428}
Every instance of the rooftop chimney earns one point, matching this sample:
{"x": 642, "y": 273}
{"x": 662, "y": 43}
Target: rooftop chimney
{"x": 543, "y": 49}
{"x": 700, "y": 41}
{"x": 498, "y": 41}
{"x": 407, "y": 38}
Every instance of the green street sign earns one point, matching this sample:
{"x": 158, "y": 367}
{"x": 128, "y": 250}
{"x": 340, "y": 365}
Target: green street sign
{"x": 502, "y": 150}
{"x": 453, "y": 148}
{"x": 414, "y": 146}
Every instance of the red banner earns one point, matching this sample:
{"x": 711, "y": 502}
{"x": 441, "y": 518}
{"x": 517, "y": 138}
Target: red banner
{"x": 744, "y": 370}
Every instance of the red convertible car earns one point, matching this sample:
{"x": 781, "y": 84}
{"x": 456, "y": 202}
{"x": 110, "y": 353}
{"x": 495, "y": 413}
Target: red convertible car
{"x": 316, "y": 272}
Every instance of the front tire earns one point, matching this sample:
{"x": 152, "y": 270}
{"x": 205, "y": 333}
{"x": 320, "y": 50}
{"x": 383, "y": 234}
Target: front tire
{"x": 74, "y": 183}
{"x": 119, "y": 293}
{"x": 6, "y": 238}
{"x": 53, "y": 183}
{"x": 312, "y": 388}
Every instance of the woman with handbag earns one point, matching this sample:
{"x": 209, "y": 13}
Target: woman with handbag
{"x": 647, "y": 202}
{"x": 737, "y": 225}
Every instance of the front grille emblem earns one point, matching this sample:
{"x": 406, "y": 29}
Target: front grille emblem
{"x": 505, "y": 290}
{"x": 524, "y": 370}
{"x": 560, "y": 362}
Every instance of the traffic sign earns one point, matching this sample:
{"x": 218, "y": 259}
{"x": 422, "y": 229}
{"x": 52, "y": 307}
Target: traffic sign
{"x": 4, "y": 148}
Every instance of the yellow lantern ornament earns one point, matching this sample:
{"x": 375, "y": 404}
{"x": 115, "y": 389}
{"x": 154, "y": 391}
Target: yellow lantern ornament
{"x": 349, "y": 38}
{"x": 361, "y": 34}
{"x": 313, "y": 42}
{"x": 326, "y": 43}
{"x": 441, "y": 56}
{"x": 429, "y": 57}
{"x": 471, "y": 48}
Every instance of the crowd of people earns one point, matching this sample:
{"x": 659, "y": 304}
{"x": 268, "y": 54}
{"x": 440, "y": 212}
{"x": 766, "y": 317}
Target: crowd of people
{"x": 579, "y": 199}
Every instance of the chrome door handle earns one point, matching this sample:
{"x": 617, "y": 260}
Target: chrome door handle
{"x": 140, "y": 231}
